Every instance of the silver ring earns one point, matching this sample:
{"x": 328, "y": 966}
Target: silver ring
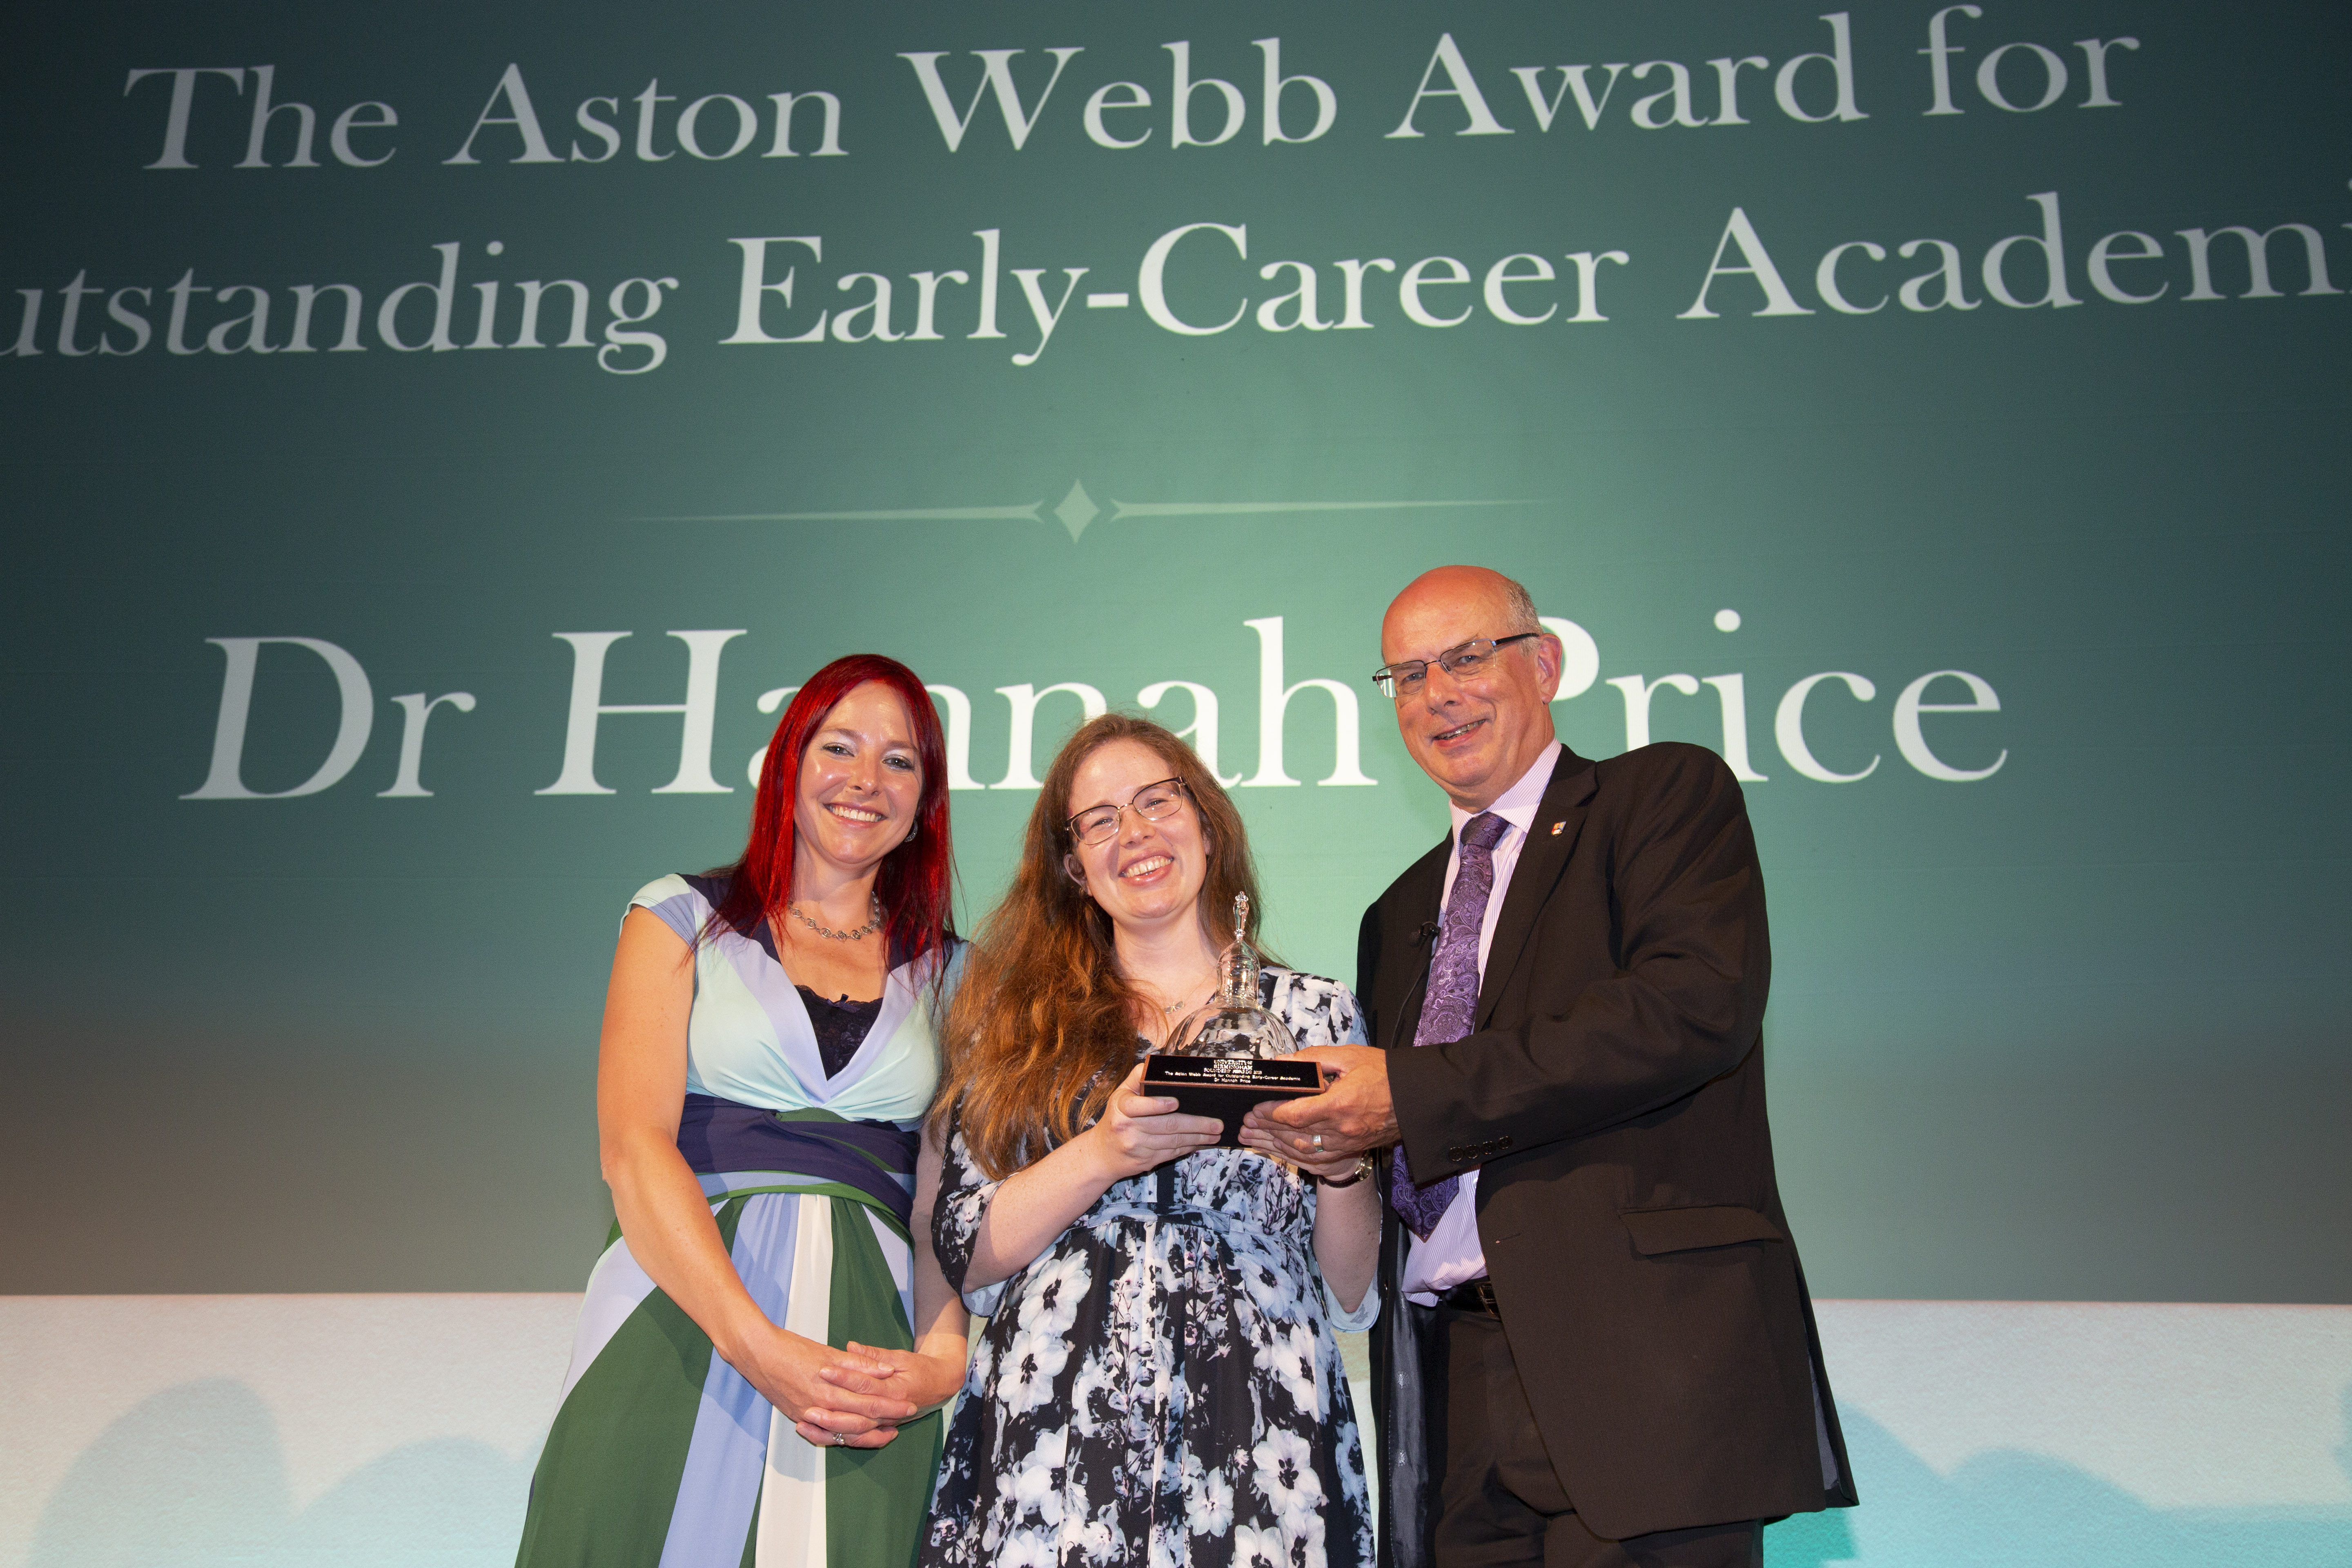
{"x": 1319, "y": 1142}
{"x": 841, "y": 1439}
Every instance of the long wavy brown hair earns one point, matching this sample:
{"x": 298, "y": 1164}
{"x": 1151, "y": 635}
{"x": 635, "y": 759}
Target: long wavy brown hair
{"x": 1042, "y": 1027}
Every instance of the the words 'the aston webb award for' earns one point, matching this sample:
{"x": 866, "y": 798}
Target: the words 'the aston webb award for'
{"x": 1231, "y": 1054}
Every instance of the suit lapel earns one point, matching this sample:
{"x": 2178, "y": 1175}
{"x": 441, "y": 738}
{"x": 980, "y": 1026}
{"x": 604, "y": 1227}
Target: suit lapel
{"x": 1550, "y": 841}
{"x": 1412, "y": 904}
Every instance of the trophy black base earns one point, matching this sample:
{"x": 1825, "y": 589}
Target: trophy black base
{"x": 1227, "y": 1087}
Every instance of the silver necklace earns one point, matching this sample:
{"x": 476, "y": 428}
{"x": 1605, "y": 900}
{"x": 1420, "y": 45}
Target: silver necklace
{"x": 869, "y": 928}
{"x": 1168, "y": 1009}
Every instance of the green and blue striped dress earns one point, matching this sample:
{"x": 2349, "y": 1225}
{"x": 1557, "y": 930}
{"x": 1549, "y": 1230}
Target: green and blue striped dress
{"x": 661, "y": 1455}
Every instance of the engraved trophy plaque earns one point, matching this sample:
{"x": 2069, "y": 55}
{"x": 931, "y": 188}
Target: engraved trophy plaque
{"x": 1231, "y": 1054}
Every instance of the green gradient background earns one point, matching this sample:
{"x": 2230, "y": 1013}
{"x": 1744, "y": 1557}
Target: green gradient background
{"x": 2076, "y": 1031}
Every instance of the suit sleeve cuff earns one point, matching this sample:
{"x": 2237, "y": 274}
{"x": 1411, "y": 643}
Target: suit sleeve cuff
{"x": 1416, "y": 1089}
{"x": 1430, "y": 1124}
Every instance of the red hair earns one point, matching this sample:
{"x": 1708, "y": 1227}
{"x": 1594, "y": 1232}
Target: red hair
{"x": 915, "y": 883}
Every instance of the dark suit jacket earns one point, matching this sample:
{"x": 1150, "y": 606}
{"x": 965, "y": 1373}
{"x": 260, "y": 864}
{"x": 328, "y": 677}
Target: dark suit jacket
{"x": 1612, "y": 1098}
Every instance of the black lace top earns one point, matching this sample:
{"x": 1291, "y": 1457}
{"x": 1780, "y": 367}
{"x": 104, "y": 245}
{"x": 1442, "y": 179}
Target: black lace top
{"x": 841, "y": 1026}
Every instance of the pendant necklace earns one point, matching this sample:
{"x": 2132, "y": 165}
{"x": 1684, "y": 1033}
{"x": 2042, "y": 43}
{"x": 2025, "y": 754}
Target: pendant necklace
{"x": 1168, "y": 1009}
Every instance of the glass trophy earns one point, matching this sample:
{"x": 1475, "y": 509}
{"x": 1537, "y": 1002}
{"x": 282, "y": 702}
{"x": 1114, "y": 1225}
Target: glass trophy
{"x": 1231, "y": 1054}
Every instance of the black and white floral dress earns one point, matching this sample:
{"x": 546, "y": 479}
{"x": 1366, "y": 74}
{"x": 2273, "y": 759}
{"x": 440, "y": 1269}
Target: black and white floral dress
{"x": 1160, "y": 1386}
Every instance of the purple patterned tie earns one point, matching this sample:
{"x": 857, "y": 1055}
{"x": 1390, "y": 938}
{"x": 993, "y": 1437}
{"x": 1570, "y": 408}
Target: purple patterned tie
{"x": 1451, "y": 1002}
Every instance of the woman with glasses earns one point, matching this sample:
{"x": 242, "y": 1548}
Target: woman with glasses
{"x": 1159, "y": 1381}
{"x": 764, "y": 1332}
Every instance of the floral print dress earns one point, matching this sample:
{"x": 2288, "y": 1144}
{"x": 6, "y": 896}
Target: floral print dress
{"x": 1160, "y": 1386}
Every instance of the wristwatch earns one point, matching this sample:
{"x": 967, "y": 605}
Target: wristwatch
{"x": 1364, "y": 1167}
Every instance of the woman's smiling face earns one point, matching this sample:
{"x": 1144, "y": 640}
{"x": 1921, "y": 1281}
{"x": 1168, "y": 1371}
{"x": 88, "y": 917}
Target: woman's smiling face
{"x": 861, "y": 781}
{"x": 1146, "y": 873}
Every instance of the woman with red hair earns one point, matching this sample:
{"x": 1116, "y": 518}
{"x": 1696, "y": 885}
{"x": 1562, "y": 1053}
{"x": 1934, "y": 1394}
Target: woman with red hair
{"x": 765, "y": 1341}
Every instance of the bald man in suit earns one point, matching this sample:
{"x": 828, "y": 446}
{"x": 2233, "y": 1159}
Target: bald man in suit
{"x": 1596, "y": 1349}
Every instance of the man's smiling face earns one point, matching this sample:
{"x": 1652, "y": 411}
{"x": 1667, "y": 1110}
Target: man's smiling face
{"x": 1475, "y": 737}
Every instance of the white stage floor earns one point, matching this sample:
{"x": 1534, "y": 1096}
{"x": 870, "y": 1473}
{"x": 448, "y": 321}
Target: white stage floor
{"x": 399, "y": 1432}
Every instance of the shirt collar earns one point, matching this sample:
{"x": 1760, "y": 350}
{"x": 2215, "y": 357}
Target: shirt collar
{"x": 1518, "y": 805}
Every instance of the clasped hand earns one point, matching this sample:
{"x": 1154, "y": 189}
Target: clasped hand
{"x": 862, "y": 1391}
{"x": 913, "y": 1378}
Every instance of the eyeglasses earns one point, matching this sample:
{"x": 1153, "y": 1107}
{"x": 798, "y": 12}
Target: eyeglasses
{"x": 1460, "y": 661}
{"x": 1153, "y": 803}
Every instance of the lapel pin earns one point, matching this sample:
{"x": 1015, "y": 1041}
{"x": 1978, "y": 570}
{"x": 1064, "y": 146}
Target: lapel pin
{"x": 1557, "y": 828}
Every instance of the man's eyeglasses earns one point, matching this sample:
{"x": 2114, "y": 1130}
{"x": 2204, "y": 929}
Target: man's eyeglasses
{"x": 1153, "y": 803}
{"x": 1462, "y": 661}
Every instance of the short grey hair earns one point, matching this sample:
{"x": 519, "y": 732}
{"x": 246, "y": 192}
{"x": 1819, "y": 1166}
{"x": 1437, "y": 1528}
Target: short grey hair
{"x": 1521, "y": 606}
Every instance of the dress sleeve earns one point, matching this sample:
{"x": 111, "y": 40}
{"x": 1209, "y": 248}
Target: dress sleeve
{"x": 1347, "y": 1024}
{"x": 1324, "y": 1013}
{"x": 965, "y": 1193}
{"x": 675, "y": 903}
{"x": 1348, "y": 1018}
{"x": 1319, "y": 1012}
{"x": 1367, "y": 1313}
